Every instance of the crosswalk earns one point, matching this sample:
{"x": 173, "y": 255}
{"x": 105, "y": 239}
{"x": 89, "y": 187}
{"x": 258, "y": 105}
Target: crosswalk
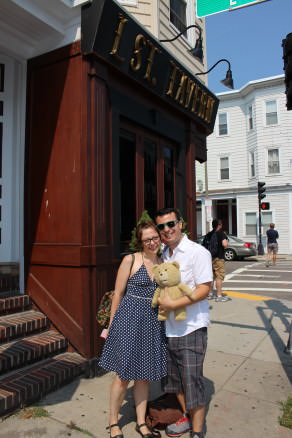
{"x": 257, "y": 278}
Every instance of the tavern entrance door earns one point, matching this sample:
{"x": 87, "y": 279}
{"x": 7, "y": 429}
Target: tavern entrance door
{"x": 147, "y": 167}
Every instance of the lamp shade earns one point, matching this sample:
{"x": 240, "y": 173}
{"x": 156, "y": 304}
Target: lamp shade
{"x": 228, "y": 81}
{"x": 197, "y": 51}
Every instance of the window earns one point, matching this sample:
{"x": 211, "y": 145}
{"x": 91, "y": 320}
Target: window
{"x": 250, "y": 224}
{"x": 267, "y": 218}
{"x": 223, "y": 124}
{"x": 127, "y": 183}
{"x": 178, "y": 14}
{"x": 168, "y": 156}
{"x": 251, "y": 164}
{"x": 224, "y": 168}
{"x": 273, "y": 161}
{"x": 271, "y": 113}
{"x": 250, "y": 118}
{"x": 150, "y": 173}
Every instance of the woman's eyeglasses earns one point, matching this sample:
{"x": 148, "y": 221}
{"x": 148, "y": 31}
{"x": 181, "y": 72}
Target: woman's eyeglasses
{"x": 153, "y": 239}
{"x": 170, "y": 224}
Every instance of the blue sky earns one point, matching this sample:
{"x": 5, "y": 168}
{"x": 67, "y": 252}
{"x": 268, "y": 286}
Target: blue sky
{"x": 251, "y": 39}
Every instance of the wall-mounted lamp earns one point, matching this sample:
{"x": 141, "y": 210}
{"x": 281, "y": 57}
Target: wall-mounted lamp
{"x": 228, "y": 81}
{"x": 196, "y": 51}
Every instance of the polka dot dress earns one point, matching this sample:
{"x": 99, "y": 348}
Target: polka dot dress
{"x": 136, "y": 344}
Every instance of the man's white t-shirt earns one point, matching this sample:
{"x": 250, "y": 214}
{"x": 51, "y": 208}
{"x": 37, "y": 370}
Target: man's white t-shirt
{"x": 195, "y": 268}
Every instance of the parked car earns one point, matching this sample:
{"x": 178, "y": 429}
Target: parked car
{"x": 237, "y": 248}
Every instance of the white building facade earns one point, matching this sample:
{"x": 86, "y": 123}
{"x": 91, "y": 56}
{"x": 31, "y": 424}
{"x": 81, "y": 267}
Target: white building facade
{"x": 251, "y": 143}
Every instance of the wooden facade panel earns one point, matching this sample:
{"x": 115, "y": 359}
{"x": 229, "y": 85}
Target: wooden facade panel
{"x": 73, "y": 255}
{"x": 55, "y": 153}
{"x": 62, "y": 295}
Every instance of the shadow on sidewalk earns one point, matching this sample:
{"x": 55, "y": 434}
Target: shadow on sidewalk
{"x": 284, "y": 313}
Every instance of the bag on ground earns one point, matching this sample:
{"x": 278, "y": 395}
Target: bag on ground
{"x": 163, "y": 411}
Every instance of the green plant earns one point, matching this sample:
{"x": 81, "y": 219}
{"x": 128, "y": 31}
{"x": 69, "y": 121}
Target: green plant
{"x": 33, "y": 412}
{"x": 184, "y": 227}
{"x": 144, "y": 218}
{"x": 73, "y": 426}
{"x": 286, "y": 408}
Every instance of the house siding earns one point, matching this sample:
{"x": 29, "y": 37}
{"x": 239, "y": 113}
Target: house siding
{"x": 237, "y": 145}
{"x": 155, "y": 15}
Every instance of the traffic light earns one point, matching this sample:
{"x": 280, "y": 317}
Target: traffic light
{"x": 265, "y": 206}
{"x": 287, "y": 57}
{"x": 261, "y": 190}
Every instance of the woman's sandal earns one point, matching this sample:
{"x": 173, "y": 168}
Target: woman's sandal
{"x": 120, "y": 435}
{"x": 152, "y": 434}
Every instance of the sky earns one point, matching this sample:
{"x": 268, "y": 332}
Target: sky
{"x": 251, "y": 39}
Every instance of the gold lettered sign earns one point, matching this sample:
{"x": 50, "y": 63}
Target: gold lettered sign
{"x": 110, "y": 32}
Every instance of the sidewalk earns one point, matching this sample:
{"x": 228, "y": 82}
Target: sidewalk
{"x": 247, "y": 375}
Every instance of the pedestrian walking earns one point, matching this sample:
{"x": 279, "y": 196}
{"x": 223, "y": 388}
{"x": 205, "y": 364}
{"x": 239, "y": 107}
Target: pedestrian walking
{"x": 216, "y": 241}
{"x": 186, "y": 340}
{"x": 272, "y": 244}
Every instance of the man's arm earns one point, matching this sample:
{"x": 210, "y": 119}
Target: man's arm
{"x": 224, "y": 240}
{"x": 224, "y": 243}
{"x": 199, "y": 293}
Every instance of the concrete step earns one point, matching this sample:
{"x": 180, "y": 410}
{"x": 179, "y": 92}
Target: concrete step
{"x": 12, "y": 304}
{"x": 21, "y": 324}
{"x": 24, "y": 387}
{"x": 24, "y": 351}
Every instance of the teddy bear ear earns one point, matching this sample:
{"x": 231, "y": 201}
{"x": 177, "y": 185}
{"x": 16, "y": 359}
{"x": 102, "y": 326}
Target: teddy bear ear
{"x": 176, "y": 264}
{"x": 154, "y": 268}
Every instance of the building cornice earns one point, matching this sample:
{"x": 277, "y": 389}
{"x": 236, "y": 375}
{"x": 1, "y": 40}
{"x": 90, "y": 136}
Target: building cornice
{"x": 251, "y": 86}
{"x": 229, "y": 193}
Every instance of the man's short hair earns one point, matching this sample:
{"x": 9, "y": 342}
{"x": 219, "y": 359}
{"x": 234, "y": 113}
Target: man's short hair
{"x": 167, "y": 210}
{"x": 216, "y": 222}
{"x": 272, "y": 225}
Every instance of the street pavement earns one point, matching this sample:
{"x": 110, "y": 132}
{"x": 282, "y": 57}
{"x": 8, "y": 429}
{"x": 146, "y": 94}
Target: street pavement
{"x": 254, "y": 277}
{"x": 247, "y": 376}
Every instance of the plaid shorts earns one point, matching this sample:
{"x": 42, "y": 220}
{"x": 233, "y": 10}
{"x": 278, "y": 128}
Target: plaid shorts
{"x": 185, "y": 357}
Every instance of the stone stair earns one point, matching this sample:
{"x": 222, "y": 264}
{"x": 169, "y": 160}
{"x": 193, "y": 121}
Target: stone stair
{"x": 34, "y": 358}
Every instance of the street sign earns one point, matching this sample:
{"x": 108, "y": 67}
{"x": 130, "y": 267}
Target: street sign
{"x": 209, "y": 7}
{"x": 208, "y": 202}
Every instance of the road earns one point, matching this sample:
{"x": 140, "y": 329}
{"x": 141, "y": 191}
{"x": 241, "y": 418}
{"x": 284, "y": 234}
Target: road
{"x": 253, "y": 277}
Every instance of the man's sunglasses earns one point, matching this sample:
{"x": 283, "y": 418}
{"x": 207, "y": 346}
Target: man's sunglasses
{"x": 170, "y": 224}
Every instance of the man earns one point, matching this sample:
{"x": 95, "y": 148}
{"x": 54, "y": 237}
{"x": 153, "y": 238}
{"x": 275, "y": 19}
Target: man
{"x": 187, "y": 340}
{"x": 272, "y": 243}
{"x": 218, "y": 261}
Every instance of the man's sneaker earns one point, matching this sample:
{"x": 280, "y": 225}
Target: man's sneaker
{"x": 212, "y": 296}
{"x": 222, "y": 299}
{"x": 197, "y": 435}
{"x": 183, "y": 425}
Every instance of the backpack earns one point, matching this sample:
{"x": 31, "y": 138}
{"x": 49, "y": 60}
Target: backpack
{"x": 210, "y": 242}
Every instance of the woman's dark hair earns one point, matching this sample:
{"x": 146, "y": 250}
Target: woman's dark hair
{"x": 142, "y": 226}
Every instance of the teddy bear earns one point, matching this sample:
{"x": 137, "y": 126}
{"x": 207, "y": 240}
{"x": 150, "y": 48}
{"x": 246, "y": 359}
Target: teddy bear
{"x": 168, "y": 274}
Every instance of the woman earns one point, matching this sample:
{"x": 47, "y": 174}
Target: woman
{"x": 135, "y": 347}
